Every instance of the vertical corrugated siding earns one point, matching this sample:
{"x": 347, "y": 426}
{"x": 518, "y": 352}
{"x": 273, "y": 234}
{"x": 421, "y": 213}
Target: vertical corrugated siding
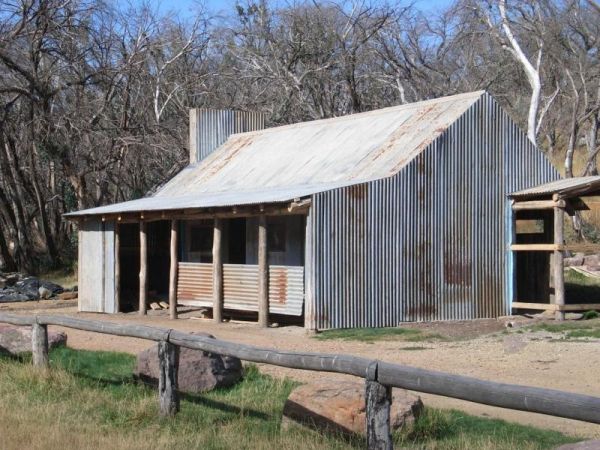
{"x": 215, "y": 126}
{"x": 428, "y": 243}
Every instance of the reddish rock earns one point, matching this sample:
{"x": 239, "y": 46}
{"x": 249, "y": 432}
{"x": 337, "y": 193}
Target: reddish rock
{"x": 198, "y": 371}
{"x": 339, "y": 406}
{"x": 16, "y": 340}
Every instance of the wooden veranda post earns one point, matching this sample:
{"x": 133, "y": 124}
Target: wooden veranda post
{"x": 378, "y": 399}
{"x": 218, "y": 271}
{"x": 39, "y": 344}
{"x": 559, "y": 274}
{"x": 117, "y": 267}
{"x": 168, "y": 360}
{"x": 173, "y": 271}
{"x": 143, "y": 268}
{"x": 263, "y": 273}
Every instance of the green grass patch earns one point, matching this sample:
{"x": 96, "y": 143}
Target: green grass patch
{"x": 580, "y": 288}
{"x": 379, "y": 334}
{"x": 89, "y": 400}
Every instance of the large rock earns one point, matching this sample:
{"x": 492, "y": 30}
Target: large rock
{"x": 198, "y": 371}
{"x": 16, "y": 340}
{"x": 339, "y": 406}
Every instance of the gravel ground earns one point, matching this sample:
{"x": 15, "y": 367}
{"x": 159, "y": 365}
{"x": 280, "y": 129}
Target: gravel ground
{"x": 481, "y": 349}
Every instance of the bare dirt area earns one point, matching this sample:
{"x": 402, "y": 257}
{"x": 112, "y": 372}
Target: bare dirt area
{"x": 484, "y": 349}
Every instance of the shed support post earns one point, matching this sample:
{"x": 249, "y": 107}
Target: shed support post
{"x": 263, "y": 273}
{"x": 218, "y": 271}
{"x": 143, "y": 268}
{"x": 559, "y": 274}
{"x": 117, "y": 267}
{"x": 39, "y": 344}
{"x": 378, "y": 400}
{"x": 168, "y": 361}
{"x": 173, "y": 271}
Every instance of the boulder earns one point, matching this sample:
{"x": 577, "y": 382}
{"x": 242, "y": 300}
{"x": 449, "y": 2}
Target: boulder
{"x": 339, "y": 406}
{"x": 198, "y": 371}
{"x": 44, "y": 293}
{"x": 15, "y": 340}
{"x": 9, "y": 296}
{"x": 585, "y": 445}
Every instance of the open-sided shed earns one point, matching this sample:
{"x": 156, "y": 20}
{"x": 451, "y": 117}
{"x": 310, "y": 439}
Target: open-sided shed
{"x": 372, "y": 219}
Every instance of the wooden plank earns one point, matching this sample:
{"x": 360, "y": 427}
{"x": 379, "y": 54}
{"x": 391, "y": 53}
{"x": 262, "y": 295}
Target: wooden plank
{"x": 218, "y": 271}
{"x": 538, "y": 204}
{"x": 143, "y": 295}
{"x": 168, "y": 362}
{"x": 538, "y": 306}
{"x": 39, "y": 343}
{"x": 580, "y": 307}
{"x": 525, "y": 398}
{"x": 559, "y": 274}
{"x": 534, "y": 247}
{"x": 378, "y": 399}
{"x": 263, "y": 273}
{"x": 582, "y": 247}
{"x": 173, "y": 270}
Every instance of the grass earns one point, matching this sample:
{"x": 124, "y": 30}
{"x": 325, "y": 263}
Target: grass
{"x": 67, "y": 278}
{"x": 571, "y": 329}
{"x": 88, "y": 400}
{"x": 581, "y": 289}
{"x": 379, "y": 334}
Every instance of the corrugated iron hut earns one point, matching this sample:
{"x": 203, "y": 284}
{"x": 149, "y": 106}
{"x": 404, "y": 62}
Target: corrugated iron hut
{"x": 372, "y": 219}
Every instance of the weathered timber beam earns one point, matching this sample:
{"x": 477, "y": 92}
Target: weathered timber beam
{"x": 263, "y": 273}
{"x": 173, "y": 270}
{"x": 117, "y": 267}
{"x": 525, "y": 398}
{"x": 538, "y": 204}
{"x": 217, "y": 271}
{"x": 534, "y": 247}
{"x": 143, "y": 288}
{"x": 168, "y": 365}
{"x": 558, "y": 261}
{"x": 378, "y": 400}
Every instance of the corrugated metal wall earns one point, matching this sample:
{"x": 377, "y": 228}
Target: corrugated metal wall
{"x": 430, "y": 242}
{"x": 210, "y": 128}
{"x": 96, "y": 281}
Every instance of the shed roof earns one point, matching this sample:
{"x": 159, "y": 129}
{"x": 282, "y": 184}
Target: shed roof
{"x": 282, "y": 163}
{"x": 567, "y": 187}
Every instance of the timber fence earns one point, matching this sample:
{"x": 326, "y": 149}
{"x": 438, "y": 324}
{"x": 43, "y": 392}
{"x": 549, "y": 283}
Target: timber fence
{"x": 379, "y": 376}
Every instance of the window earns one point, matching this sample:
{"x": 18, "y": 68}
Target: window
{"x": 201, "y": 237}
{"x": 276, "y": 237}
{"x": 529, "y": 226}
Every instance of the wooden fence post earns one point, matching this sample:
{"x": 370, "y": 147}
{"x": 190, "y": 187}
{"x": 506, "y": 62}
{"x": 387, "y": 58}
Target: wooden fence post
{"x": 559, "y": 274}
{"x": 378, "y": 400}
{"x": 39, "y": 344}
{"x": 168, "y": 362}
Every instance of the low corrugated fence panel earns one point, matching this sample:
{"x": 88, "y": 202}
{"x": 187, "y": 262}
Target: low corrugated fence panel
{"x": 240, "y": 287}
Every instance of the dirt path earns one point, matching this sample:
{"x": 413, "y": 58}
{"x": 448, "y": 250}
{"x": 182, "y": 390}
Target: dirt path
{"x": 528, "y": 358}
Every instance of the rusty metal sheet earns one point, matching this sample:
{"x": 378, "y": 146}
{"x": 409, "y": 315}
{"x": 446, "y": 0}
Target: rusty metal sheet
{"x": 240, "y": 287}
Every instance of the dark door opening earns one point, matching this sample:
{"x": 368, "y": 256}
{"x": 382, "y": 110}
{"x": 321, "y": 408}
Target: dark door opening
{"x": 129, "y": 263}
{"x": 237, "y": 241}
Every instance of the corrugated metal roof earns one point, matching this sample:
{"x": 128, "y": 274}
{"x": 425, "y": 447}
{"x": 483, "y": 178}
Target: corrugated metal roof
{"x": 306, "y": 157}
{"x": 564, "y": 187}
{"x": 210, "y": 200}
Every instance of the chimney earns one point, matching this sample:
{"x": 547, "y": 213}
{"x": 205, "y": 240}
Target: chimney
{"x": 210, "y": 128}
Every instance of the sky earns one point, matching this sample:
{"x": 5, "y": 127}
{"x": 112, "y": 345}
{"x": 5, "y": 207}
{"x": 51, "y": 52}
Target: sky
{"x": 216, "y": 7}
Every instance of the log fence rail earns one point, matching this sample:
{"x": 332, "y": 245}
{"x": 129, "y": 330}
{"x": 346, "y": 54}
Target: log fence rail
{"x": 379, "y": 376}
